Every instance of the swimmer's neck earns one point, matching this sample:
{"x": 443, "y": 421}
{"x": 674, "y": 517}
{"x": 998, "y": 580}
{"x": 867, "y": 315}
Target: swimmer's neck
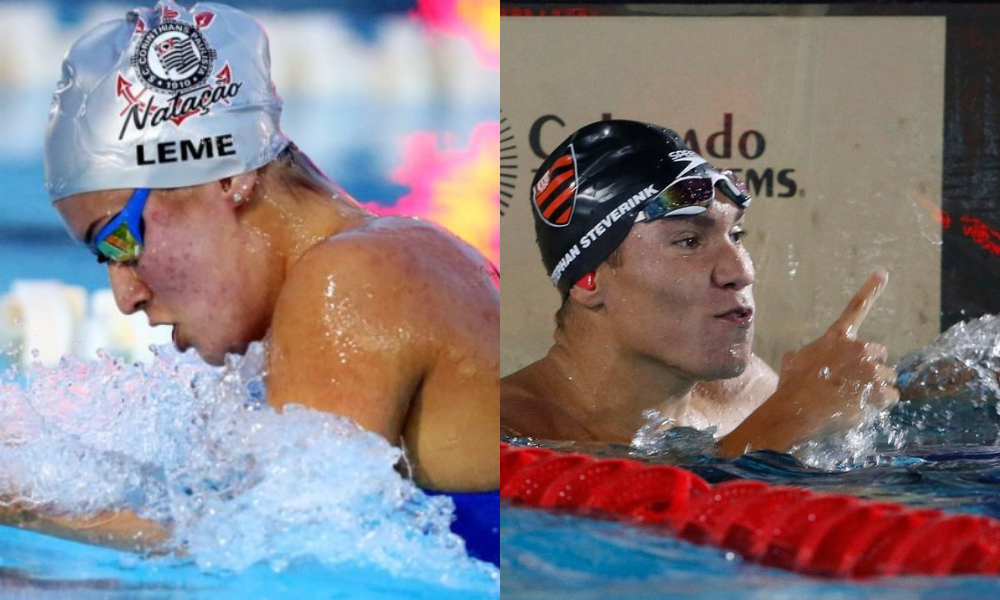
{"x": 607, "y": 389}
{"x": 290, "y": 219}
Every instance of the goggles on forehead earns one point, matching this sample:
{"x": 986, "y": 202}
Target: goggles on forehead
{"x": 691, "y": 195}
{"x": 120, "y": 241}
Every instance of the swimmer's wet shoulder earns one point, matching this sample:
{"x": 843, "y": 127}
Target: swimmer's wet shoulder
{"x": 533, "y": 403}
{"x": 396, "y": 324}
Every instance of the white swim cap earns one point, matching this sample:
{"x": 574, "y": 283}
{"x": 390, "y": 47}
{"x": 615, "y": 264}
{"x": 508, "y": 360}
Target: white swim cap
{"x": 166, "y": 97}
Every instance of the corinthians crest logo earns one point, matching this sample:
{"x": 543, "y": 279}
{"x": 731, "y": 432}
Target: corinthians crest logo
{"x": 174, "y": 60}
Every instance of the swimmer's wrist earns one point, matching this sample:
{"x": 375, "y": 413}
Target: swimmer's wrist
{"x": 765, "y": 428}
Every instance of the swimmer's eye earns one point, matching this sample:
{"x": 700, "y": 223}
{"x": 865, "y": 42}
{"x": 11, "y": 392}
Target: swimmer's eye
{"x": 688, "y": 243}
{"x": 738, "y": 235}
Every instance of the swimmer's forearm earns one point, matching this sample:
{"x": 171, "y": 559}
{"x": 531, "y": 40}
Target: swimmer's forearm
{"x": 122, "y": 530}
{"x": 764, "y": 430}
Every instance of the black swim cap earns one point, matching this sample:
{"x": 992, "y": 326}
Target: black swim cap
{"x": 587, "y": 193}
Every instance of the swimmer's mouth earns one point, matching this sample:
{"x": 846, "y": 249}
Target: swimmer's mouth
{"x": 741, "y": 315}
{"x": 181, "y": 346}
{"x": 174, "y": 336}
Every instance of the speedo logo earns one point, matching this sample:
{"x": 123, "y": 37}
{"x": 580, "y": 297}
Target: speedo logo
{"x": 600, "y": 229}
{"x": 677, "y": 155}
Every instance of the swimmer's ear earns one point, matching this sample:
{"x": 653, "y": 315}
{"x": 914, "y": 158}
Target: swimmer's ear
{"x": 587, "y": 291}
{"x": 238, "y": 189}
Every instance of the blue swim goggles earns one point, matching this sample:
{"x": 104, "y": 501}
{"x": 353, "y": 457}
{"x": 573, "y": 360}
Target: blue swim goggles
{"x": 120, "y": 241}
{"x": 692, "y": 194}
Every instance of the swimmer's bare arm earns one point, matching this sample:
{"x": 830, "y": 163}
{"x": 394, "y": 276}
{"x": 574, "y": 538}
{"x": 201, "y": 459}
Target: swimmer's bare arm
{"x": 123, "y": 530}
{"x": 405, "y": 343}
{"x": 824, "y": 386}
{"x": 341, "y": 339}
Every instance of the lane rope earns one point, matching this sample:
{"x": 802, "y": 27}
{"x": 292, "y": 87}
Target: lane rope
{"x": 821, "y": 534}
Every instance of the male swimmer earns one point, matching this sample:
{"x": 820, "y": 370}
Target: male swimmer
{"x": 644, "y": 239}
{"x": 164, "y": 156}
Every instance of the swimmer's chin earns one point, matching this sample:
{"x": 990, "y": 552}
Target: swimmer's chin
{"x": 728, "y": 371}
{"x": 217, "y": 358}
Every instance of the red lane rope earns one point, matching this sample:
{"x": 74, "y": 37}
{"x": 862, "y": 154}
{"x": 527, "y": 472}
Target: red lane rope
{"x": 793, "y": 528}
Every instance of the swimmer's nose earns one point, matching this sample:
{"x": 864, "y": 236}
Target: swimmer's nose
{"x": 734, "y": 268}
{"x": 131, "y": 294}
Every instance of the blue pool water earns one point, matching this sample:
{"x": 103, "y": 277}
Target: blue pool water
{"x": 547, "y": 556}
{"x": 42, "y": 567}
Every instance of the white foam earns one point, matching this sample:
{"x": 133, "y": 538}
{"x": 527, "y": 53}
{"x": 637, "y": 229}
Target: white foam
{"x": 195, "y": 447}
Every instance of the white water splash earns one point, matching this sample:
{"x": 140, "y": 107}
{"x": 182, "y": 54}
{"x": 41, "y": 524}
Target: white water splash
{"x": 970, "y": 350}
{"x": 660, "y": 436}
{"x": 196, "y": 448}
{"x": 950, "y": 394}
{"x": 855, "y": 448}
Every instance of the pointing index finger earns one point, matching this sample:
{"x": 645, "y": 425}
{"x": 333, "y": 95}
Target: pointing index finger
{"x": 857, "y": 309}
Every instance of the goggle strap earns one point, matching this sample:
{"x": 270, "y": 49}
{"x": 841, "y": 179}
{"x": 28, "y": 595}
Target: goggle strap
{"x": 734, "y": 193}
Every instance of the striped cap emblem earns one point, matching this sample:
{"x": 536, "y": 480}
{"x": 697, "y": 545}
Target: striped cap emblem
{"x": 554, "y": 196}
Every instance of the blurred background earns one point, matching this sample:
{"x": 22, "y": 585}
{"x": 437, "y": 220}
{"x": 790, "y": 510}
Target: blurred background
{"x": 396, "y": 100}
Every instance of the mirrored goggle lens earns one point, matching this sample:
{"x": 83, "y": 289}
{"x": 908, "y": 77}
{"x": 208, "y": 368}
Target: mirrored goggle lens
{"x": 120, "y": 245}
{"x": 685, "y": 197}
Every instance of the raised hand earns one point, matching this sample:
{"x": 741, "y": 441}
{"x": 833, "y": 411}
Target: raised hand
{"x": 827, "y": 386}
